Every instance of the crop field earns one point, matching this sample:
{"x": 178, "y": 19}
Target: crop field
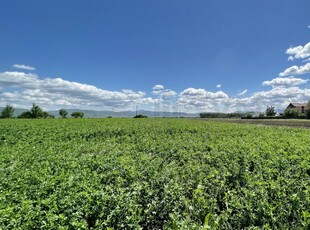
{"x": 152, "y": 174}
{"x": 300, "y": 123}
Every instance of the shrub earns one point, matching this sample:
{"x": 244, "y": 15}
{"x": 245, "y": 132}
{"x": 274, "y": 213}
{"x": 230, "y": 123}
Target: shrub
{"x": 140, "y": 116}
{"x": 290, "y": 113}
{"x": 7, "y": 112}
{"x": 77, "y": 114}
{"x": 63, "y": 113}
{"x": 247, "y": 116}
{"x": 270, "y": 111}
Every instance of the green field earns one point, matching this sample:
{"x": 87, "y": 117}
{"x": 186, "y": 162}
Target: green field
{"x": 152, "y": 174}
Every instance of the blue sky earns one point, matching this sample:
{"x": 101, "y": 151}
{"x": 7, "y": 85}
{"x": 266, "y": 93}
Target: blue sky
{"x": 197, "y": 55}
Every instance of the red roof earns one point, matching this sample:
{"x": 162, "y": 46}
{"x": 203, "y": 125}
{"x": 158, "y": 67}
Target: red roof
{"x": 299, "y": 104}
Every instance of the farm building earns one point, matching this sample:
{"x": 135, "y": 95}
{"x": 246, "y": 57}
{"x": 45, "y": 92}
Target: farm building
{"x": 301, "y": 107}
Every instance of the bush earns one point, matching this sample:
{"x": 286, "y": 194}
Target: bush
{"x": 26, "y": 115}
{"x": 77, "y": 114}
{"x": 261, "y": 115}
{"x": 247, "y": 116}
{"x": 290, "y": 113}
{"x": 35, "y": 113}
{"x": 270, "y": 111}
{"x": 140, "y": 116}
{"x": 308, "y": 114}
{"x": 7, "y": 112}
{"x": 63, "y": 113}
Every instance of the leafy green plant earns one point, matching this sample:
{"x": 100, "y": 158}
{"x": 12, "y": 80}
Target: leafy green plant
{"x": 63, "y": 113}
{"x": 152, "y": 174}
{"x": 7, "y": 112}
{"x": 77, "y": 114}
{"x": 290, "y": 113}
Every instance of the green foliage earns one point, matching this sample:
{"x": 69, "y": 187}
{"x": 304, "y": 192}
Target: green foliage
{"x": 247, "y": 116}
{"x": 221, "y": 115}
{"x": 7, "y": 112}
{"x": 77, "y": 114}
{"x": 308, "y": 114}
{"x": 35, "y": 112}
{"x": 63, "y": 113}
{"x": 290, "y": 113}
{"x": 261, "y": 115}
{"x": 140, "y": 116}
{"x": 308, "y": 110}
{"x": 152, "y": 174}
{"x": 270, "y": 111}
{"x": 25, "y": 115}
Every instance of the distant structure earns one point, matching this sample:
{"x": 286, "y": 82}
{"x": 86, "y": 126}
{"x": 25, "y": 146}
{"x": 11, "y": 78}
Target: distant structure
{"x": 300, "y": 107}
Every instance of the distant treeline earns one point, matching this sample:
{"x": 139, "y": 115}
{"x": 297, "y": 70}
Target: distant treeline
{"x": 36, "y": 112}
{"x": 223, "y": 115}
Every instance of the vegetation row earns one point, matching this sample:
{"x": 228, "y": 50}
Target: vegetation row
{"x": 270, "y": 113}
{"x": 36, "y": 112}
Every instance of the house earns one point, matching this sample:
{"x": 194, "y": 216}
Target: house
{"x": 300, "y": 107}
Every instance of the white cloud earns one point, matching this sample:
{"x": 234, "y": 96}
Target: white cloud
{"x": 290, "y": 58}
{"x": 218, "y": 86}
{"x": 56, "y": 92}
{"x": 299, "y": 52}
{"x": 243, "y": 92}
{"x": 202, "y": 94}
{"x": 296, "y": 70}
{"x": 22, "y": 89}
{"x": 158, "y": 87}
{"x": 285, "y": 81}
{"x": 192, "y": 99}
{"x": 23, "y": 67}
{"x": 281, "y": 94}
{"x": 162, "y": 93}
{"x": 306, "y": 60}
{"x": 168, "y": 93}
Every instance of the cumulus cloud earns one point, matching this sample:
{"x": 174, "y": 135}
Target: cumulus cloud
{"x": 202, "y": 94}
{"x": 243, "y": 92}
{"x": 299, "y": 52}
{"x": 285, "y": 81}
{"x": 296, "y": 70}
{"x": 218, "y": 86}
{"x": 23, "y": 67}
{"x": 283, "y": 92}
{"x": 162, "y": 93}
{"x": 280, "y": 93}
{"x": 158, "y": 87}
{"x": 56, "y": 92}
{"x": 22, "y": 89}
{"x": 194, "y": 99}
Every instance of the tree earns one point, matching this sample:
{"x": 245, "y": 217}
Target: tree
{"x": 63, "y": 113}
{"x": 140, "y": 116}
{"x": 77, "y": 114}
{"x": 247, "y": 116}
{"x": 7, "y": 112}
{"x": 26, "y": 115}
{"x": 261, "y": 115}
{"x": 37, "y": 112}
{"x": 270, "y": 111}
{"x": 290, "y": 113}
{"x": 308, "y": 110}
